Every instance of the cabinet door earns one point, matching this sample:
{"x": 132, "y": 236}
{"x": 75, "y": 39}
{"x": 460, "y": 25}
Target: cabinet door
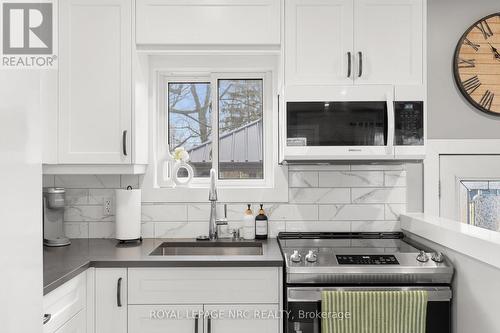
{"x": 388, "y": 37}
{"x": 165, "y": 318}
{"x": 95, "y": 81}
{"x": 64, "y": 302}
{"x": 262, "y": 318}
{"x": 76, "y": 324}
{"x": 208, "y": 22}
{"x": 111, "y": 300}
{"x": 318, "y": 37}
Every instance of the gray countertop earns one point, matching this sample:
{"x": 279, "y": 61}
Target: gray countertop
{"x": 61, "y": 264}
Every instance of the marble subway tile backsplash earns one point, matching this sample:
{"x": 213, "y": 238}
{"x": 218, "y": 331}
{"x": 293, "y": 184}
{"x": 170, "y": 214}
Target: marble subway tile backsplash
{"x": 321, "y": 198}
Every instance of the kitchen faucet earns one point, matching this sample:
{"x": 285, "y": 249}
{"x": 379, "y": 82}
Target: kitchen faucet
{"x": 213, "y": 222}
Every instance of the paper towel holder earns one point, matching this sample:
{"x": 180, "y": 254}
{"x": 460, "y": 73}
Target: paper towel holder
{"x": 128, "y": 238}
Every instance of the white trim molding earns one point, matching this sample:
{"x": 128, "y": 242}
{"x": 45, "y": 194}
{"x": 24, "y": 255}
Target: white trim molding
{"x": 436, "y": 148}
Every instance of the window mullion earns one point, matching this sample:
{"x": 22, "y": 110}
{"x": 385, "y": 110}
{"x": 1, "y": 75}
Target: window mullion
{"x": 215, "y": 124}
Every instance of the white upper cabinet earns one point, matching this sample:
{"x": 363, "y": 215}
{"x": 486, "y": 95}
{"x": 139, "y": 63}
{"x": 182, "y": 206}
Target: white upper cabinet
{"x": 388, "y": 41}
{"x": 353, "y": 42}
{"x": 95, "y": 82}
{"x": 318, "y": 39}
{"x": 208, "y": 22}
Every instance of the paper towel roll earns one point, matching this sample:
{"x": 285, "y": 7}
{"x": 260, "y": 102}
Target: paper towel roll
{"x": 128, "y": 214}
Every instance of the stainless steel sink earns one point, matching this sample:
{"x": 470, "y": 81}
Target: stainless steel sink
{"x": 208, "y": 248}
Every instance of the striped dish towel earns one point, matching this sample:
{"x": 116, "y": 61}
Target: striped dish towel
{"x": 374, "y": 311}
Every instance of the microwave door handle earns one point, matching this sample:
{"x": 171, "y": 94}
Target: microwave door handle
{"x": 390, "y": 124}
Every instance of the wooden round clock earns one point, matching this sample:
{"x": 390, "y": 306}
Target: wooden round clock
{"x": 477, "y": 64}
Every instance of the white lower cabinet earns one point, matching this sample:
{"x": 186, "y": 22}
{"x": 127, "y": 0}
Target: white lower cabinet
{"x": 188, "y": 300}
{"x": 242, "y": 318}
{"x": 63, "y": 304}
{"x": 227, "y": 299}
{"x": 220, "y": 318}
{"x": 75, "y": 324}
{"x": 111, "y": 300}
{"x": 165, "y": 318}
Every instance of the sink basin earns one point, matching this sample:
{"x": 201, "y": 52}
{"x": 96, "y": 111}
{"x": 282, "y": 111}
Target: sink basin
{"x": 208, "y": 248}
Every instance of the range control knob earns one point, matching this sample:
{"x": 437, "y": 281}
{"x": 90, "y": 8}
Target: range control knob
{"x": 311, "y": 256}
{"x": 437, "y": 257}
{"x": 295, "y": 257}
{"x": 422, "y": 257}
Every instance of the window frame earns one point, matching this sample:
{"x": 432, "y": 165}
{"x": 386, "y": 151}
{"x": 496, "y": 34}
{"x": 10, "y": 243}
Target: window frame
{"x": 165, "y": 78}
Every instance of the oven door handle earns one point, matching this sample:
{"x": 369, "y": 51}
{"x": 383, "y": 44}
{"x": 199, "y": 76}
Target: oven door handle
{"x": 312, "y": 294}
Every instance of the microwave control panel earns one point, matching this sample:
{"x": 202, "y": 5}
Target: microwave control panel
{"x": 409, "y": 123}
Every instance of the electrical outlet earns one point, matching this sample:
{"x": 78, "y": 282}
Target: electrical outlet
{"x": 108, "y": 207}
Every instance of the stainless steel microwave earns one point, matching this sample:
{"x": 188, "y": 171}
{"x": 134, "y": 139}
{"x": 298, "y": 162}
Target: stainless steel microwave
{"x": 369, "y": 127}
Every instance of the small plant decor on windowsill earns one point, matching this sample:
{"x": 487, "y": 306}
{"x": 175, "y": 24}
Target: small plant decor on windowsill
{"x": 182, "y": 172}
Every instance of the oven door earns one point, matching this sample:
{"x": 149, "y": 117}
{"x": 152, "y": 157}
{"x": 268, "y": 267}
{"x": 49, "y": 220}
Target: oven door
{"x": 303, "y": 302}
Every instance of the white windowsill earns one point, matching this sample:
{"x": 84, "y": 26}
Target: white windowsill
{"x": 276, "y": 193}
{"x": 475, "y": 242}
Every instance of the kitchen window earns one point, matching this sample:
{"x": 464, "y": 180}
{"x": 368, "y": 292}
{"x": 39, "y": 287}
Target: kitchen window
{"x": 223, "y": 121}
{"x": 480, "y": 203}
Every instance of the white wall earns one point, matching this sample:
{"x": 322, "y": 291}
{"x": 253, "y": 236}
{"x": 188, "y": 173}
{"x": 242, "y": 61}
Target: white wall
{"x": 450, "y": 116}
{"x": 20, "y": 202}
{"x": 476, "y": 292}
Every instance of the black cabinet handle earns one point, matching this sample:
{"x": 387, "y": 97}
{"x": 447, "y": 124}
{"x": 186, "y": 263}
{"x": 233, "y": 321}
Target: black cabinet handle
{"x": 119, "y": 292}
{"x": 196, "y": 323}
{"x": 360, "y": 55}
{"x": 209, "y": 324}
{"x": 349, "y": 64}
{"x": 46, "y": 318}
{"x": 124, "y": 143}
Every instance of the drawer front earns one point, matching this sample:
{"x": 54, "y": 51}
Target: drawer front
{"x": 65, "y": 302}
{"x": 76, "y": 324}
{"x": 244, "y": 318}
{"x": 165, "y": 318}
{"x": 203, "y": 285}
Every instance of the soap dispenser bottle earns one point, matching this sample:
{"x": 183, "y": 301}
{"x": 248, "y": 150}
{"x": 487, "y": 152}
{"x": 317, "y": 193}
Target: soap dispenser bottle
{"x": 261, "y": 224}
{"x": 248, "y": 224}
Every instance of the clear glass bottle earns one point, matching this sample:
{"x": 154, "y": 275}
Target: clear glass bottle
{"x": 248, "y": 224}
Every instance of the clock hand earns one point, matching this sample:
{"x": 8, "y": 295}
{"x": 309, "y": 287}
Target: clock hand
{"x": 496, "y": 54}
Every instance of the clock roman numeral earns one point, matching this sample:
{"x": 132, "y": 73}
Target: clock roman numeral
{"x": 471, "y": 44}
{"x": 485, "y": 29}
{"x": 466, "y": 63}
{"x": 487, "y": 100}
{"x": 470, "y": 85}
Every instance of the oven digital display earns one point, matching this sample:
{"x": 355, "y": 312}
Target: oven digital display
{"x": 378, "y": 259}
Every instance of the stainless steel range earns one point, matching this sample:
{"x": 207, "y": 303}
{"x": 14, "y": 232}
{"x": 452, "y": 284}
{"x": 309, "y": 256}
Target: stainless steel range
{"x": 361, "y": 261}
